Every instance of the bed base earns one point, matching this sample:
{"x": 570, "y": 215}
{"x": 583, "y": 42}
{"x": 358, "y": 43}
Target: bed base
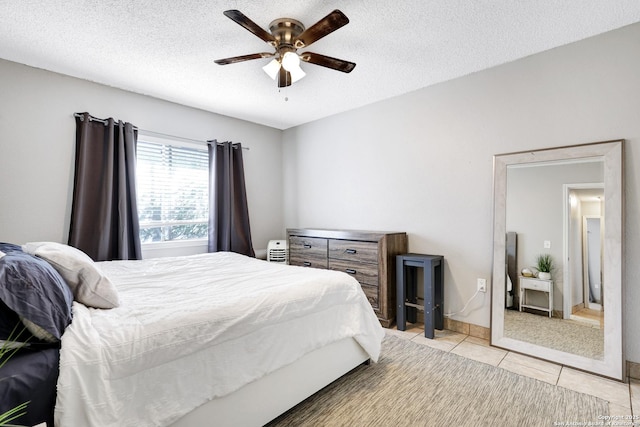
{"x": 261, "y": 401}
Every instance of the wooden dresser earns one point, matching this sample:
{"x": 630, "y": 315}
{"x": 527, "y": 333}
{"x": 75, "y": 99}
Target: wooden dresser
{"x": 369, "y": 256}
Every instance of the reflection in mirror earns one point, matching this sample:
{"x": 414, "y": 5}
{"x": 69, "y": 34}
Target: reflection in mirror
{"x": 563, "y": 203}
{"x": 537, "y": 208}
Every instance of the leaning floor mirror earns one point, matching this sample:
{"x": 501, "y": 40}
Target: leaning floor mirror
{"x": 563, "y": 205}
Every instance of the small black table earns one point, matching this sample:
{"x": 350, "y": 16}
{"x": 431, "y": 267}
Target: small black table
{"x": 407, "y": 293}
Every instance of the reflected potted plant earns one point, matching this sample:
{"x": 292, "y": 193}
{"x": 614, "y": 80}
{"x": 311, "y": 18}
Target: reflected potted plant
{"x": 544, "y": 263}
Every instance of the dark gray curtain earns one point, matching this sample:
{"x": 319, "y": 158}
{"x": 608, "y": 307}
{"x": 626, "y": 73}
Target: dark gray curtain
{"x": 104, "y": 214}
{"x": 228, "y": 211}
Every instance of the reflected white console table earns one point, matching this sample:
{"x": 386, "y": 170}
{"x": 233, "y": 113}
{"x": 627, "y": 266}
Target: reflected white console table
{"x": 534, "y": 284}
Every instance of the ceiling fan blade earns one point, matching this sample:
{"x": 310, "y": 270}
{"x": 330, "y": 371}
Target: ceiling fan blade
{"x": 327, "y": 61}
{"x": 284, "y": 78}
{"x": 241, "y": 19}
{"x": 326, "y": 25}
{"x": 242, "y": 58}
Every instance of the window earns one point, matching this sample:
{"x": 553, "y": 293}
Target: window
{"x": 173, "y": 188}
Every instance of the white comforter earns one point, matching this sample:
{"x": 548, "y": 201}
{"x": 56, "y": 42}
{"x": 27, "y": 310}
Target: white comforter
{"x": 193, "y": 328}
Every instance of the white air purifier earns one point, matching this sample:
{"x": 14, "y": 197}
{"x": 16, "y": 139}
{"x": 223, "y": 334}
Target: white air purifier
{"x": 278, "y": 251}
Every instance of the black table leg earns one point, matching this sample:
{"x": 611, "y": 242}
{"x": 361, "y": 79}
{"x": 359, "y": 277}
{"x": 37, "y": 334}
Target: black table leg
{"x": 401, "y": 319}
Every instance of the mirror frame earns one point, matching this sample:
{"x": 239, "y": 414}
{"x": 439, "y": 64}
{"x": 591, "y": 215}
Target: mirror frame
{"x": 612, "y": 153}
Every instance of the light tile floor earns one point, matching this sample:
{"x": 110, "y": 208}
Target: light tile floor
{"x": 624, "y": 399}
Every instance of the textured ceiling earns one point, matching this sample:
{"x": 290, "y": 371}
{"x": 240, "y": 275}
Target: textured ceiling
{"x": 166, "y": 48}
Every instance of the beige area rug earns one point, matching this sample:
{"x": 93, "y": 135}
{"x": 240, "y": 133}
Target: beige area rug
{"x": 564, "y": 335}
{"x": 415, "y": 385}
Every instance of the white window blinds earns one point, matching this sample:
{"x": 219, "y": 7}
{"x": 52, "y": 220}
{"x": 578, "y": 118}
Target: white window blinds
{"x": 172, "y": 184}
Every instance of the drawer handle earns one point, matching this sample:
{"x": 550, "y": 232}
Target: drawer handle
{"x": 350, "y": 271}
{"x": 307, "y": 246}
{"x": 307, "y": 264}
{"x": 351, "y": 251}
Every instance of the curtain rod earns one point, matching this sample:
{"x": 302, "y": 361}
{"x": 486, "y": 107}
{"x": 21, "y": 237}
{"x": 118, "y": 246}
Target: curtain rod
{"x": 95, "y": 119}
{"x": 149, "y": 132}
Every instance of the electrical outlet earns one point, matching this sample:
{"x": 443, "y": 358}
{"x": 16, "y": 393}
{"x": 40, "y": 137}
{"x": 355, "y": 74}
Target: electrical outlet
{"x": 482, "y": 285}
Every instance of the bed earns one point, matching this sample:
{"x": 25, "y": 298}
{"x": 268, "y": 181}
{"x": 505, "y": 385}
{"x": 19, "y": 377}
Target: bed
{"x": 213, "y": 338}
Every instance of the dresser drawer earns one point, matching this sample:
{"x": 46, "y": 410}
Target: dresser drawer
{"x": 364, "y": 273}
{"x": 315, "y": 247}
{"x": 353, "y": 250}
{"x": 372, "y": 293}
{"x": 307, "y": 261}
{"x": 535, "y": 284}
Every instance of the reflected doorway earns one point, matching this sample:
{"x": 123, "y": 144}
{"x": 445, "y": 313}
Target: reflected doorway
{"x": 584, "y": 213}
{"x": 592, "y": 250}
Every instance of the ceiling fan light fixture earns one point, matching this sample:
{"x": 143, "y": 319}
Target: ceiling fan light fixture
{"x": 272, "y": 68}
{"x": 291, "y": 63}
{"x": 296, "y": 73}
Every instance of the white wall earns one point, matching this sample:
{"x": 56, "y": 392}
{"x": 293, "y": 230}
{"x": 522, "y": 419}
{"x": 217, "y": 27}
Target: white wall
{"x": 422, "y": 162}
{"x": 37, "y": 146}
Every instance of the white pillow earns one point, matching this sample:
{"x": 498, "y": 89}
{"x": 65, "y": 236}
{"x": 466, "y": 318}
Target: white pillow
{"x": 87, "y": 283}
{"x": 37, "y": 331}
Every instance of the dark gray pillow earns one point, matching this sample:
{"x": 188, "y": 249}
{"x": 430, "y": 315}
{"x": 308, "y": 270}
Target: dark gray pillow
{"x": 37, "y": 293}
{"x": 9, "y": 247}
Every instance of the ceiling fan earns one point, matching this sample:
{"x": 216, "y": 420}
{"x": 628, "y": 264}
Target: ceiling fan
{"x": 287, "y": 36}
